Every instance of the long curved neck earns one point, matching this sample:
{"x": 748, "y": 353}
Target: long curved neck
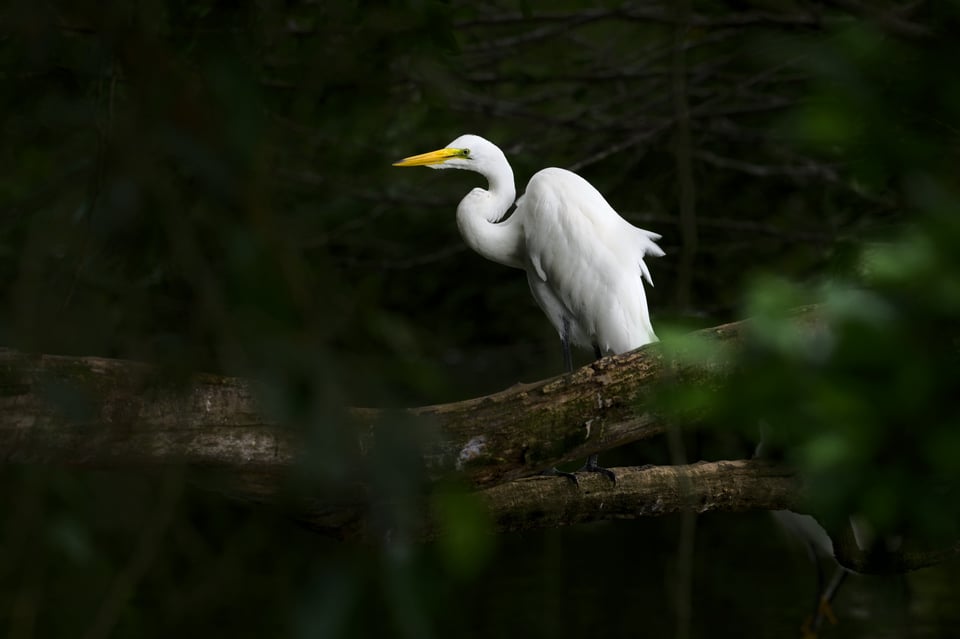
{"x": 480, "y": 212}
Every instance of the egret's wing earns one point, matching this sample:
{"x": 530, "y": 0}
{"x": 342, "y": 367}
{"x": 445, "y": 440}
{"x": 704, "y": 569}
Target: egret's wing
{"x": 589, "y": 257}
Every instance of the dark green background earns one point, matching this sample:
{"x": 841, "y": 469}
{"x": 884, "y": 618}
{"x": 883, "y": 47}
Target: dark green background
{"x": 207, "y": 186}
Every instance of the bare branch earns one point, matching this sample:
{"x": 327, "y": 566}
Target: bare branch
{"x": 894, "y": 20}
{"x": 647, "y": 14}
{"x": 810, "y": 170}
{"x": 748, "y": 226}
{"x": 650, "y": 491}
{"x": 94, "y": 412}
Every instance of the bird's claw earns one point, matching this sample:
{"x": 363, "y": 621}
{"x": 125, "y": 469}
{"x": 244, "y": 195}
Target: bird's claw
{"x": 825, "y": 611}
{"x": 811, "y": 625}
{"x": 553, "y": 472}
{"x": 591, "y": 466}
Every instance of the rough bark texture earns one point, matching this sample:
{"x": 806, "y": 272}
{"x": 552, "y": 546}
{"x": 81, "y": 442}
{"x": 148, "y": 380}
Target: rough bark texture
{"x": 649, "y": 491}
{"x": 101, "y": 413}
{"x": 643, "y": 492}
{"x": 95, "y": 412}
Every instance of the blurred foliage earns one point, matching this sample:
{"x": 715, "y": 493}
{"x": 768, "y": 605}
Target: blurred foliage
{"x": 865, "y": 402}
{"x": 207, "y": 186}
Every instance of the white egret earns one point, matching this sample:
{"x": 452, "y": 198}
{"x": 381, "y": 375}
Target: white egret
{"x": 584, "y": 263}
{"x": 819, "y": 546}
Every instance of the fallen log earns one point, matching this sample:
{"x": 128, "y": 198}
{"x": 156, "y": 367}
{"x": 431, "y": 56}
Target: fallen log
{"x": 90, "y": 412}
{"x": 648, "y": 491}
{"x": 104, "y": 413}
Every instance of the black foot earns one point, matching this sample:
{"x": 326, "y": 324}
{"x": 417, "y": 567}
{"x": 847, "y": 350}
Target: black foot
{"x": 553, "y": 472}
{"x": 591, "y": 466}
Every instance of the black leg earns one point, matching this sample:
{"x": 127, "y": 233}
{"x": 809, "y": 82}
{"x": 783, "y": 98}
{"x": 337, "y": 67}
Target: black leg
{"x": 591, "y": 466}
{"x": 553, "y": 472}
{"x": 568, "y": 367}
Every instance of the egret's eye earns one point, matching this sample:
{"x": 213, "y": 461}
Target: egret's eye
{"x": 465, "y": 152}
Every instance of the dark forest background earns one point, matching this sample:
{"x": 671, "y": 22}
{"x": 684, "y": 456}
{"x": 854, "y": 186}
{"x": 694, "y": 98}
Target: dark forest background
{"x": 206, "y": 186}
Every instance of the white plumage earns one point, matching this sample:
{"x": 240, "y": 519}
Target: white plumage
{"x": 584, "y": 263}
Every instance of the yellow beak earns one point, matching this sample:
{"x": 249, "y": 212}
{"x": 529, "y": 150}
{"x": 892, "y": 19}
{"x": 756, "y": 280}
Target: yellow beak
{"x": 433, "y": 157}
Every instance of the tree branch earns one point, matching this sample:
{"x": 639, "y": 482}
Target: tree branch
{"x": 102, "y": 413}
{"x": 95, "y": 412}
{"x": 648, "y": 14}
{"x": 649, "y": 491}
{"x": 729, "y": 486}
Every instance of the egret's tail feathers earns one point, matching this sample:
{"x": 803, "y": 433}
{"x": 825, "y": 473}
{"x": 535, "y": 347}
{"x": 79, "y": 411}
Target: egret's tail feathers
{"x": 646, "y": 272}
{"x": 647, "y": 241}
{"x": 650, "y": 234}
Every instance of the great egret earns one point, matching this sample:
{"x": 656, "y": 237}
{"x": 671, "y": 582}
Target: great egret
{"x": 819, "y": 546}
{"x": 584, "y": 262}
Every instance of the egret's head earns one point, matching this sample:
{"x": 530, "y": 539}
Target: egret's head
{"x": 469, "y": 152}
